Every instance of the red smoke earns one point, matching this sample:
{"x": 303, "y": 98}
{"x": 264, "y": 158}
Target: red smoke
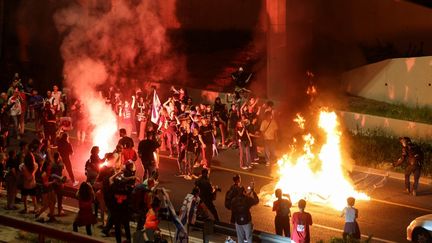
{"x": 105, "y": 41}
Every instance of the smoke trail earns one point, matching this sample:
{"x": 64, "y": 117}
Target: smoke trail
{"x": 104, "y": 41}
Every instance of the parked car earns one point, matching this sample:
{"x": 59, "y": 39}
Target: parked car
{"x": 420, "y": 229}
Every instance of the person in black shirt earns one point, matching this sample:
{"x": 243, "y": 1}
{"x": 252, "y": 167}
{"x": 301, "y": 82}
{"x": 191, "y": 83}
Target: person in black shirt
{"x": 65, "y": 149}
{"x": 206, "y": 138}
{"x": 147, "y": 151}
{"x": 232, "y": 192}
{"x": 125, "y": 141}
{"x": 12, "y": 166}
{"x": 414, "y": 156}
{"x": 192, "y": 151}
{"x": 207, "y": 193}
{"x": 220, "y": 118}
{"x": 244, "y": 143}
{"x": 282, "y": 208}
{"x": 240, "y": 207}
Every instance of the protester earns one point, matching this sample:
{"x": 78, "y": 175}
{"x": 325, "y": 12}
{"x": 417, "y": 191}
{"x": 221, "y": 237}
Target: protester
{"x": 351, "y": 228}
{"x": 48, "y": 195}
{"x": 244, "y": 144}
{"x": 240, "y": 207}
{"x": 28, "y": 170}
{"x": 206, "y": 137}
{"x": 11, "y": 178}
{"x": 64, "y": 147}
{"x": 92, "y": 165}
{"x": 301, "y": 221}
{"x": 147, "y": 150}
{"x": 85, "y": 216}
{"x": 268, "y": 130}
{"x": 282, "y": 219}
{"x": 207, "y": 193}
{"x": 232, "y": 192}
{"x": 188, "y": 214}
{"x": 57, "y": 176}
{"x": 414, "y": 156}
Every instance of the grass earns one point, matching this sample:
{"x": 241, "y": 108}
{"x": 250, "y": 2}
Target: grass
{"x": 375, "y": 148}
{"x": 398, "y": 111}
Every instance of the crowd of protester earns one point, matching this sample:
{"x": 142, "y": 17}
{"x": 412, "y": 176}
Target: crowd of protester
{"x": 189, "y": 131}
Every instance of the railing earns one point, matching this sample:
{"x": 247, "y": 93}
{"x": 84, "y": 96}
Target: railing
{"x": 45, "y": 230}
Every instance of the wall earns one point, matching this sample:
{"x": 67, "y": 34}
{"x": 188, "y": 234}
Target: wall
{"x": 402, "y": 80}
{"x": 398, "y": 128}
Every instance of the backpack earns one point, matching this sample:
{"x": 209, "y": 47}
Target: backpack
{"x": 230, "y": 194}
{"x": 418, "y": 153}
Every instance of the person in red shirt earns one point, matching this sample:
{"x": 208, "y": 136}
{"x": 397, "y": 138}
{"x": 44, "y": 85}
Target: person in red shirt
{"x": 301, "y": 221}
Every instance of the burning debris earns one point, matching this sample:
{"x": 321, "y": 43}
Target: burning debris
{"x": 316, "y": 176}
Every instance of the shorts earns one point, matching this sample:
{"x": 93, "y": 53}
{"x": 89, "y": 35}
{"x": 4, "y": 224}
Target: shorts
{"x": 28, "y": 192}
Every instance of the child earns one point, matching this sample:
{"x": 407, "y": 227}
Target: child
{"x": 85, "y": 216}
{"x": 301, "y": 221}
{"x": 351, "y": 228}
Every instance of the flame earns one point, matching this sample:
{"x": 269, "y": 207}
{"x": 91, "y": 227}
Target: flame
{"x": 317, "y": 177}
{"x": 105, "y": 125}
{"x": 300, "y": 121}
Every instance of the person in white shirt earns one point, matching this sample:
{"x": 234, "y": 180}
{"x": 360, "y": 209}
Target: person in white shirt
{"x": 15, "y": 111}
{"x": 351, "y": 228}
{"x": 268, "y": 131}
{"x": 56, "y": 94}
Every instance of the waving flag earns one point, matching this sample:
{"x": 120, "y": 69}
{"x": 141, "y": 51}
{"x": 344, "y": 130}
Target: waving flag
{"x": 156, "y": 106}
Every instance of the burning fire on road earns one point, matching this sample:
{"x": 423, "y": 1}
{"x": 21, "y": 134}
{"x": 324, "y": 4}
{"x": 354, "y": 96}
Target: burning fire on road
{"x": 319, "y": 176}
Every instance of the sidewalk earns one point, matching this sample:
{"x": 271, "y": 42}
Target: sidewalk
{"x": 8, "y": 234}
{"x": 388, "y": 173}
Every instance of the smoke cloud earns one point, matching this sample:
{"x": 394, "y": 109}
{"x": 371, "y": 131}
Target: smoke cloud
{"x": 107, "y": 41}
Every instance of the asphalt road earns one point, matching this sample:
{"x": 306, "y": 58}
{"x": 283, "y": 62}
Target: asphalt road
{"x": 385, "y": 216}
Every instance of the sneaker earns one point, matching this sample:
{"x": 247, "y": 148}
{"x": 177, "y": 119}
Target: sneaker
{"x": 414, "y": 193}
{"x": 255, "y": 163}
{"x": 256, "y": 159}
{"x": 250, "y": 167}
{"x": 187, "y": 177}
{"x": 268, "y": 164}
{"x": 407, "y": 191}
{"x": 244, "y": 167}
{"x": 179, "y": 175}
{"x": 75, "y": 183}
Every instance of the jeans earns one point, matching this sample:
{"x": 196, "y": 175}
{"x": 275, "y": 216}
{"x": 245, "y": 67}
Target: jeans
{"x": 269, "y": 150}
{"x": 189, "y": 161}
{"x": 416, "y": 171}
{"x": 244, "y": 150}
{"x": 244, "y": 232}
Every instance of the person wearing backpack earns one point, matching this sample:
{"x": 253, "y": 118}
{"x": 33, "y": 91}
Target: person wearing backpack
{"x": 240, "y": 207}
{"x": 301, "y": 221}
{"x": 282, "y": 219}
{"x": 414, "y": 156}
{"x": 232, "y": 192}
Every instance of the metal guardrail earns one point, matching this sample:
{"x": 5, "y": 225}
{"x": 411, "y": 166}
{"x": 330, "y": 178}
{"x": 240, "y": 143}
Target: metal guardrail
{"x": 46, "y": 231}
{"x": 219, "y": 227}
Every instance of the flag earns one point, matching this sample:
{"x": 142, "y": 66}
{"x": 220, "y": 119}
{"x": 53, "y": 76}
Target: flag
{"x": 156, "y": 106}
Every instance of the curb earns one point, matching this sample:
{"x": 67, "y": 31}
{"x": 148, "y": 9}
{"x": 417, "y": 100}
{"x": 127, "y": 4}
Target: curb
{"x": 390, "y": 174}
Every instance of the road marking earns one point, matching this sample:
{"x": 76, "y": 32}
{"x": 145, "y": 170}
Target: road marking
{"x": 226, "y": 169}
{"x": 364, "y": 236}
{"x": 402, "y": 205}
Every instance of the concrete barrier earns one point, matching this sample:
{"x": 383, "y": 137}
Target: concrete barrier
{"x": 356, "y": 122}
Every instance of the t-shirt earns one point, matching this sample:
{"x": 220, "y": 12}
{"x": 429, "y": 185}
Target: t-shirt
{"x": 350, "y": 214}
{"x": 146, "y": 148}
{"x": 301, "y": 222}
{"x": 206, "y": 133}
{"x": 268, "y": 129}
{"x": 126, "y": 142}
{"x": 192, "y": 143}
{"x": 282, "y": 207}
